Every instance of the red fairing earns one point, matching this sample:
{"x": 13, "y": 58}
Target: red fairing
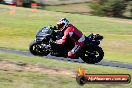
{"x": 75, "y": 34}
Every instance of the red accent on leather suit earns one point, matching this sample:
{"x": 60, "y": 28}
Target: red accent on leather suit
{"x": 74, "y": 34}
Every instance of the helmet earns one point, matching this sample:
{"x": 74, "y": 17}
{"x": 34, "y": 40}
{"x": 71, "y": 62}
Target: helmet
{"x": 62, "y": 23}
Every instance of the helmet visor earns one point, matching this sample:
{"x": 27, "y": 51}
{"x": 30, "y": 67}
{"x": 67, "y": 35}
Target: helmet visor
{"x": 60, "y": 26}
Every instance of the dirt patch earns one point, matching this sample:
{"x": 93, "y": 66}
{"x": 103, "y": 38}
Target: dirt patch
{"x": 15, "y": 66}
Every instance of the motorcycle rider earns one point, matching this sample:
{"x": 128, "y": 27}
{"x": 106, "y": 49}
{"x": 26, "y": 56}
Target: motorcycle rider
{"x": 73, "y": 33}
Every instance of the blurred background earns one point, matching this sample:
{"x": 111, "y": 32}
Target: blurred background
{"x": 21, "y": 19}
{"x": 111, "y": 8}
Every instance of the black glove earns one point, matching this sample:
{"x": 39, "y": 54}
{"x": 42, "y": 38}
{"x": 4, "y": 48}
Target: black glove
{"x": 55, "y": 28}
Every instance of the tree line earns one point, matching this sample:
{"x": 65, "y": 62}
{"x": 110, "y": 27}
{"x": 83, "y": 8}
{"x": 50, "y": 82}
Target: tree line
{"x": 113, "y": 8}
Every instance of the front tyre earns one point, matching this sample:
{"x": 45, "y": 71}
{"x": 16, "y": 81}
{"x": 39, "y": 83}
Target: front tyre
{"x": 93, "y": 55}
{"x": 36, "y": 49}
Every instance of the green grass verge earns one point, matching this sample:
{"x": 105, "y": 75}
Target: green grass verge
{"x": 18, "y": 30}
{"x": 24, "y": 79}
{"x": 59, "y": 2}
{"x": 81, "y": 8}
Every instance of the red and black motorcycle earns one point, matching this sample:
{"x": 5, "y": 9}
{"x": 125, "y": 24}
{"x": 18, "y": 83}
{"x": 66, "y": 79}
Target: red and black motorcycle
{"x": 44, "y": 44}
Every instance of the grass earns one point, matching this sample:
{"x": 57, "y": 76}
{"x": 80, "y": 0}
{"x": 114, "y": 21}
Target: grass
{"x": 81, "y": 8}
{"x": 18, "y": 30}
{"x": 59, "y": 2}
{"x": 25, "y": 79}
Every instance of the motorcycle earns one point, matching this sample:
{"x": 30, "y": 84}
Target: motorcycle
{"x": 44, "y": 44}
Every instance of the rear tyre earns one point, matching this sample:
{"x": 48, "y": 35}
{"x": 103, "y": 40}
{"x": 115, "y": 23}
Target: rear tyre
{"x": 36, "y": 49}
{"x": 93, "y": 55}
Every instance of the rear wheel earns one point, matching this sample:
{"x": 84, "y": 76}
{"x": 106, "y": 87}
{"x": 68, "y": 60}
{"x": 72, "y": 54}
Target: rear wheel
{"x": 93, "y": 55}
{"x": 36, "y": 49}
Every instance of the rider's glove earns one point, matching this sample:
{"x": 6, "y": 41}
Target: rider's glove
{"x": 55, "y": 28}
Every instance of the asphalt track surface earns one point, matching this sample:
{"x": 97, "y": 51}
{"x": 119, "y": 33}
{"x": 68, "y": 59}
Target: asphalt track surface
{"x": 103, "y": 63}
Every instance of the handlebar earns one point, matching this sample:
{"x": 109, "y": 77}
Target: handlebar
{"x": 52, "y": 42}
{"x": 54, "y": 28}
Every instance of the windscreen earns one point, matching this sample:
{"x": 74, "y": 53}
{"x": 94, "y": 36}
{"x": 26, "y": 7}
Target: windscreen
{"x": 44, "y": 31}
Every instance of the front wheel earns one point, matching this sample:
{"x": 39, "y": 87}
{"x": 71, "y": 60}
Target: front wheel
{"x": 36, "y": 49}
{"x": 93, "y": 55}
